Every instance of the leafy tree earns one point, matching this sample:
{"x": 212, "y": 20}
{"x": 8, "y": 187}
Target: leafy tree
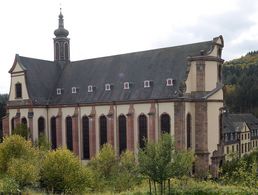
{"x": 61, "y": 172}
{"x": 3, "y": 100}
{"x": 160, "y": 162}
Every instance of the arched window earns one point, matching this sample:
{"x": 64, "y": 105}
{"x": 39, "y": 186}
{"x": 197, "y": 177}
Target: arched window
{"x": 24, "y": 121}
{"x": 122, "y": 133}
{"x": 165, "y": 123}
{"x": 57, "y": 51}
{"x": 85, "y": 138}
{"x": 41, "y": 126}
{"x": 53, "y": 133}
{"x": 220, "y": 127}
{"x": 69, "y": 133}
{"x": 143, "y": 132}
{"x": 188, "y": 130}
{"x": 103, "y": 130}
{"x": 66, "y": 51}
{"x": 18, "y": 90}
{"x": 12, "y": 124}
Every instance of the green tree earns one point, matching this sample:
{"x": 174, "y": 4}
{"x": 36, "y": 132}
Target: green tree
{"x": 160, "y": 162}
{"x": 21, "y": 130}
{"x": 3, "y": 101}
{"x": 62, "y": 172}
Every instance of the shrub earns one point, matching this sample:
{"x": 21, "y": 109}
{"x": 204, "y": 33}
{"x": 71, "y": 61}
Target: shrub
{"x": 9, "y": 186}
{"x": 126, "y": 175}
{"x": 62, "y": 172}
{"x": 14, "y": 146}
{"x": 21, "y": 130}
{"x": 25, "y": 172}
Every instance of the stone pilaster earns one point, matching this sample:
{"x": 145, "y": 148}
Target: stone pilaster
{"x": 152, "y": 117}
{"x": 130, "y": 129}
{"x": 30, "y": 117}
{"x": 75, "y": 132}
{"x": 201, "y": 139}
{"x": 59, "y": 133}
{"x": 110, "y": 126}
{"x": 179, "y": 115}
{"x": 92, "y": 132}
{"x": 6, "y": 128}
{"x": 200, "y": 76}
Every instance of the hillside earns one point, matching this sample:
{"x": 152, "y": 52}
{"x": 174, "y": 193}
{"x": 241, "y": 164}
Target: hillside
{"x": 241, "y": 83}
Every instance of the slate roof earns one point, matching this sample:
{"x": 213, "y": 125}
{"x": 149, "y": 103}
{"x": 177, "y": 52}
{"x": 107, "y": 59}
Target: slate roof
{"x": 43, "y": 77}
{"x": 232, "y": 122}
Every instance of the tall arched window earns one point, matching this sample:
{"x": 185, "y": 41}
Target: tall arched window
{"x": 69, "y": 133}
{"x": 24, "y": 121}
{"x": 53, "y": 133}
{"x": 122, "y": 133}
{"x": 57, "y": 51}
{"x": 165, "y": 123}
{"x": 12, "y": 124}
{"x": 220, "y": 127}
{"x": 18, "y": 90}
{"x": 188, "y": 130}
{"x": 85, "y": 138}
{"x": 143, "y": 132}
{"x": 66, "y": 51}
{"x": 103, "y": 130}
{"x": 41, "y": 126}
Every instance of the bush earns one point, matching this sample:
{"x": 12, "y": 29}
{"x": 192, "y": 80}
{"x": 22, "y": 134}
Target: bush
{"x": 25, "y": 172}
{"x": 126, "y": 175}
{"x": 21, "y": 130}
{"x": 9, "y": 186}
{"x": 15, "y": 146}
{"x": 62, "y": 172}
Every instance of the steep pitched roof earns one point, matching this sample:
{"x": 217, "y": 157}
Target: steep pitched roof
{"x": 41, "y": 77}
{"x": 44, "y": 77}
{"x": 230, "y": 121}
{"x": 155, "y": 65}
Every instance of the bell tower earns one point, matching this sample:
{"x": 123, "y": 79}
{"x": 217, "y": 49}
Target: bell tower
{"x": 61, "y": 42}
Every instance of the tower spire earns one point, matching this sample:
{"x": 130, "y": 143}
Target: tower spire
{"x": 61, "y": 42}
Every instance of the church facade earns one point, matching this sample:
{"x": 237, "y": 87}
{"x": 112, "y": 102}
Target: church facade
{"x": 121, "y": 99}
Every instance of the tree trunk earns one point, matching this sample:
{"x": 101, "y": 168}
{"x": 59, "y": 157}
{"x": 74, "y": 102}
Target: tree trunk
{"x": 161, "y": 188}
{"x": 150, "y": 185}
{"x": 155, "y": 187}
{"x": 169, "y": 186}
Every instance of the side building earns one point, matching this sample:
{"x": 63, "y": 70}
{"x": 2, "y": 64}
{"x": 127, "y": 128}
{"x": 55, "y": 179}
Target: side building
{"x": 121, "y": 99}
{"x": 240, "y": 134}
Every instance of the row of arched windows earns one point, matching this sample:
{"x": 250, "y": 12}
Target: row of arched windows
{"x": 165, "y": 124}
{"x": 62, "y": 51}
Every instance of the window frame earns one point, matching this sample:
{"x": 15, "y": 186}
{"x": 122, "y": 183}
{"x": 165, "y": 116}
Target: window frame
{"x": 20, "y": 90}
{"x": 146, "y": 84}
{"x": 58, "y": 91}
{"x": 90, "y": 88}
{"x": 170, "y": 82}
{"x": 107, "y": 87}
{"x": 126, "y": 85}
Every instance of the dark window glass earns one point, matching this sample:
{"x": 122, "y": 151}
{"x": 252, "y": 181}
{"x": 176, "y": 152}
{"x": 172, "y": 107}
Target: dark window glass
{"x": 53, "y": 133}
{"x": 103, "y": 130}
{"x": 41, "y": 126}
{"x": 122, "y": 133}
{"x": 220, "y": 127}
{"x": 85, "y": 138}
{"x": 24, "y": 121}
{"x": 12, "y": 124}
{"x": 69, "y": 133}
{"x": 165, "y": 123}
{"x": 57, "y": 51}
{"x": 188, "y": 130}
{"x": 66, "y": 51}
{"x": 18, "y": 90}
{"x": 143, "y": 133}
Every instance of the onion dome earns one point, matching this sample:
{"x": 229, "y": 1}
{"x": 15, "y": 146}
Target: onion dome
{"x": 61, "y": 31}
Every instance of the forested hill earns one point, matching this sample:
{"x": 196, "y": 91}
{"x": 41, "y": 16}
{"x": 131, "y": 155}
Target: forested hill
{"x": 241, "y": 83}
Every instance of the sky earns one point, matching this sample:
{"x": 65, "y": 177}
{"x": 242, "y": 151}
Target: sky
{"x": 108, "y": 27}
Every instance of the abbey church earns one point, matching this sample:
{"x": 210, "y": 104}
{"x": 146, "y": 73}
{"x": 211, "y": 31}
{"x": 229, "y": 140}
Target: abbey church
{"x": 122, "y": 99}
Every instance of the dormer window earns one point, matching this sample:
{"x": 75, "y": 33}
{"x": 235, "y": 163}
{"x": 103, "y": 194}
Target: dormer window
{"x": 74, "y": 89}
{"x": 18, "y": 90}
{"x": 126, "y": 85}
{"x": 90, "y": 88}
{"x": 107, "y": 87}
{"x": 58, "y": 91}
{"x": 146, "y": 83}
{"x": 170, "y": 82}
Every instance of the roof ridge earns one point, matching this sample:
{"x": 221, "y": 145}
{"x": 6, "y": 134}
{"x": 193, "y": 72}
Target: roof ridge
{"x": 35, "y": 59}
